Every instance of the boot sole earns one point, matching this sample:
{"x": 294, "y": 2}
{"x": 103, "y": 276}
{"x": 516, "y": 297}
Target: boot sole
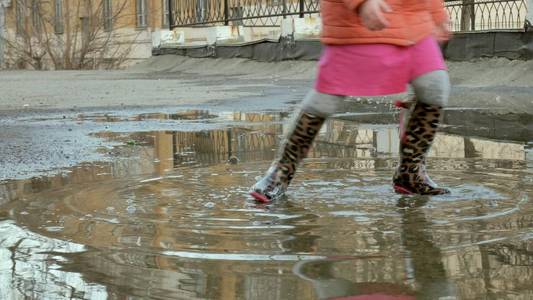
{"x": 259, "y": 197}
{"x": 404, "y": 191}
{"x": 401, "y": 190}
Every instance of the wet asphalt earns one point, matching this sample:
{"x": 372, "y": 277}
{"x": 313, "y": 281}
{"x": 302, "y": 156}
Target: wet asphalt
{"x": 150, "y": 202}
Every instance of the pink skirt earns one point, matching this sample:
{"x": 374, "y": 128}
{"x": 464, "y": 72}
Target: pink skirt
{"x": 375, "y": 69}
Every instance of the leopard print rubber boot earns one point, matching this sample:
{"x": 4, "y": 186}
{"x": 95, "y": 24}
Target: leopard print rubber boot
{"x": 416, "y": 140}
{"x": 275, "y": 182}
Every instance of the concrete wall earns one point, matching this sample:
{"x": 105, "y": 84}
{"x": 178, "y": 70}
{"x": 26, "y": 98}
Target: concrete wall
{"x": 291, "y": 27}
{"x": 463, "y": 47}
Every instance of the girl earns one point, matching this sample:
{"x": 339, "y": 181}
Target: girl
{"x": 374, "y": 47}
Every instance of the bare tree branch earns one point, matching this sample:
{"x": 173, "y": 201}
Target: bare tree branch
{"x": 84, "y": 42}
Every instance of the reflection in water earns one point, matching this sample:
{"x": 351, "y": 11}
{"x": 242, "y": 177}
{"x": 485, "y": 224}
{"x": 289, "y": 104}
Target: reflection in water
{"x": 185, "y": 115}
{"x": 337, "y": 278}
{"x": 170, "y": 214}
{"x": 425, "y": 258}
{"x": 419, "y": 264}
{"x": 29, "y": 267}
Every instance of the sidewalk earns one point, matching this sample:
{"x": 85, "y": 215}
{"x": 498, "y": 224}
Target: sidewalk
{"x": 500, "y": 85}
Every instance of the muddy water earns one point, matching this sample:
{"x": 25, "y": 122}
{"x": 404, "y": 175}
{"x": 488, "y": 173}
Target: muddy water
{"x": 170, "y": 218}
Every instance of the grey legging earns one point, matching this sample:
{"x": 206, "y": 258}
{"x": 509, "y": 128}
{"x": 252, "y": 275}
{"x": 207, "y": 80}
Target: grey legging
{"x": 432, "y": 88}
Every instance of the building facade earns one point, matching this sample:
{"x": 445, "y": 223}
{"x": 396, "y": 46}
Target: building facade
{"x": 3, "y": 4}
{"x": 79, "y": 34}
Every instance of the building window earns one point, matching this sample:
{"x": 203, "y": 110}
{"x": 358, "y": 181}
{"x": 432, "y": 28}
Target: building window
{"x": 142, "y": 14}
{"x": 165, "y": 11}
{"x": 58, "y": 17}
{"x": 108, "y": 15}
{"x": 20, "y": 16}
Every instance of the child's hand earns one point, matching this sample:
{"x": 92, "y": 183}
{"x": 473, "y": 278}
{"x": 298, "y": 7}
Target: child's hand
{"x": 442, "y": 32}
{"x": 372, "y": 14}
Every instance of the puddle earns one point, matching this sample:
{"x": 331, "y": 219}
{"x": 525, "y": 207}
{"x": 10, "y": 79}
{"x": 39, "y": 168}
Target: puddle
{"x": 170, "y": 218}
{"x": 191, "y": 115}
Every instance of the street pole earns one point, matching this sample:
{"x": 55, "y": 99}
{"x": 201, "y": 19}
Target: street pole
{"x": 226, "y": 12}
{"x": 170, "y": 17}
{"x": 468, "y": 17}
{"x": 2, "y": 23}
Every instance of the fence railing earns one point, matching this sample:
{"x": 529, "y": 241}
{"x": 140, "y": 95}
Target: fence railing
{"x": 482, "y": 15}
{"x": 466, "y": 15}
{"x": 238, "y": 12}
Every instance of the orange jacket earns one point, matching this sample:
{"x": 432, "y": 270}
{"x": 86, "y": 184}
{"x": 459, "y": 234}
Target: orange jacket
{"x": 409, "y": 22}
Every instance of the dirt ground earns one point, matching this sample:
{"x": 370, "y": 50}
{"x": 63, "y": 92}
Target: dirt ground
{"x": 497, "y": 84}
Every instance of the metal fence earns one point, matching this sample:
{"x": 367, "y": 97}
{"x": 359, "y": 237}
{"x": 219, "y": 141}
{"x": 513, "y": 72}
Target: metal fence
{"x": 482, "y": 15}
{"x": 466, "y": 15}
{"x": 238, "y": 12}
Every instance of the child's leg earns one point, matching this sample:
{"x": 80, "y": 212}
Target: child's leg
{"x": 433, "y": 88}
{"x": 316, "y": 108}
{"x": 432, "y": 91}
